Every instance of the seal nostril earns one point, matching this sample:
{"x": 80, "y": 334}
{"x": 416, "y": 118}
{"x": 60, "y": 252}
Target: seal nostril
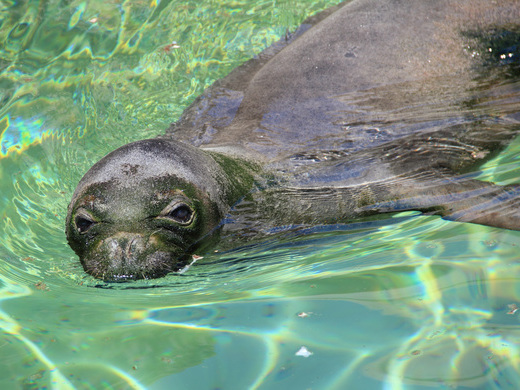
{"x": 124, "y": 249}
{"x": 132, "y": 247}
{"x": 114, "y": 249}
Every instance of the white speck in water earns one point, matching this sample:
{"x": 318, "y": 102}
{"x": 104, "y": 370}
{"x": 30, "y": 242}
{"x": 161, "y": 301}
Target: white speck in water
{"x": 303, "y": 351}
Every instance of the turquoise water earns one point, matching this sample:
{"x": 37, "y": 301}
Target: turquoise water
{"x": 409, "y": 302}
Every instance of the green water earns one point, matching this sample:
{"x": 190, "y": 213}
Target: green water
{"x": 412, "y": 302}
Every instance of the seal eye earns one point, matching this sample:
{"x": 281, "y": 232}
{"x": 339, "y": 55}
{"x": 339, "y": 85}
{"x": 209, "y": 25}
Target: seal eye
{"x": 182, "y": 213}
{"x": 83, "y": 224}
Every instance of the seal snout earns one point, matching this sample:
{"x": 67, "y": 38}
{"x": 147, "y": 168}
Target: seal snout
{"x": 125, "y": 248}
{"x": 127, "y": 256}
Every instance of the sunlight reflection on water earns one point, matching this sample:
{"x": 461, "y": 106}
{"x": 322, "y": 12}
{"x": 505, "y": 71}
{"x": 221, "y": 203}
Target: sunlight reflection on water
{"x": 412, "y": 302}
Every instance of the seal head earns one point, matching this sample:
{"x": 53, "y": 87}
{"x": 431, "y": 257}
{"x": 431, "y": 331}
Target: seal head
{"x": 139, "y": 210}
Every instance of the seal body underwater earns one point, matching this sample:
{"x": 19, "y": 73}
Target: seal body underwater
{"x": 335, "y": 122}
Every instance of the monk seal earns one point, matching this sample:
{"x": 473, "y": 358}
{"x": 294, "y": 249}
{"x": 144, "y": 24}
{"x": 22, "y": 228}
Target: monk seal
{"x": 334, "y": 122}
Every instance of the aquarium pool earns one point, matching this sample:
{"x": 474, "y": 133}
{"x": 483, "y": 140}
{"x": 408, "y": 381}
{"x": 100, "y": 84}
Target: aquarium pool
{"x": 402, "y": 303}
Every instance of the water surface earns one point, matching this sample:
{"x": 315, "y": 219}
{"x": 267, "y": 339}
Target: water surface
{"x": 406, "y": 302}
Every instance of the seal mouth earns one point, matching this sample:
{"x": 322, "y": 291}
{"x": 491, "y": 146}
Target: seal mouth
{"x": 127, "y": 256}
{"x": 153, "y": 266}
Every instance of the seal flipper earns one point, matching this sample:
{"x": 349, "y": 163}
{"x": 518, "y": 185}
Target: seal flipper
{"x": 499, "y": 208}
{"x": 459, "y": 199}
{"x": 451, "y": 154}
{"x": 454, "y": 198}
{"x": 428, "y": 172}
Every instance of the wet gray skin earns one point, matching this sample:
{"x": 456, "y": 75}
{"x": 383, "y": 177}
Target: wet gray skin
{"x": 372, "y": 106}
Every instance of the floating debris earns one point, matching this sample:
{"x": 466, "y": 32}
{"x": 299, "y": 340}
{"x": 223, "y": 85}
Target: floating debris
{"x": 303, "y": 314}
{"x": 41, "y": 286}
{"x": 303, "y": 351}
{"x": 513, "y": 308}
{"x": 174, "y": 45}
{"x": 187, "y": 267}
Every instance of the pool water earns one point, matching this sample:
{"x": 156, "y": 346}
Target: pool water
{"x": 405, "y": 302}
